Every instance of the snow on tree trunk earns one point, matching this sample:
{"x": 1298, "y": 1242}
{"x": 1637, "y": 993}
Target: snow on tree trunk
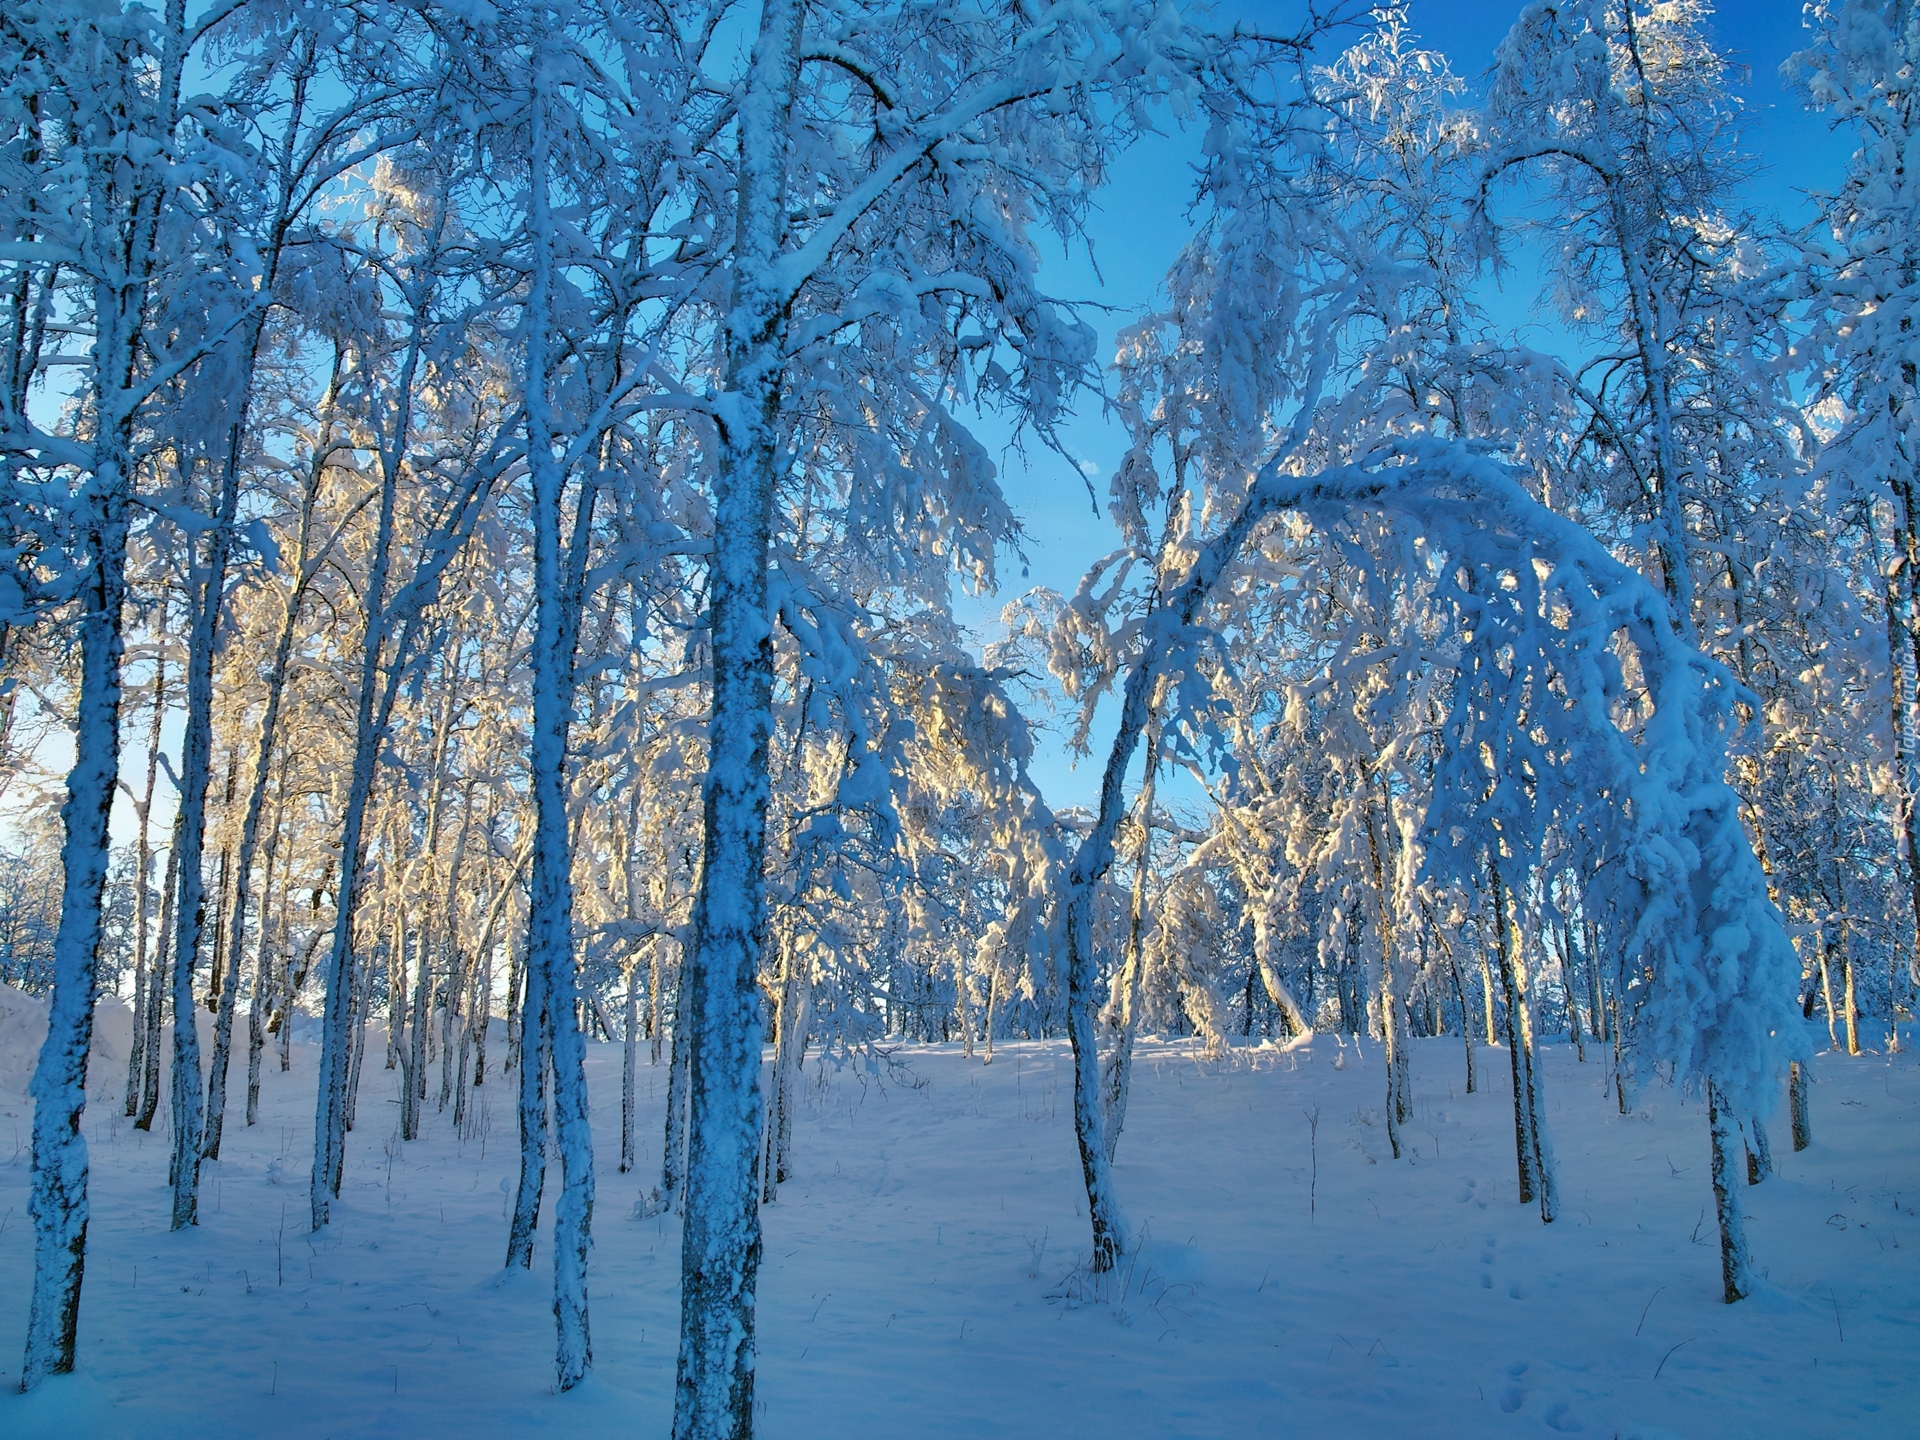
{"x": 550, "y": 891}
{"x": 1735, "y": 1268}
{"x": 126, "y": 181}
{"x": 720, "y": 1244}
{"x": 57, "y": 1199}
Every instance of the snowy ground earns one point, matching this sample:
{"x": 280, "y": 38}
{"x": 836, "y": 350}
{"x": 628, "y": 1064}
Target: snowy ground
{"x": 920, "y": 1273}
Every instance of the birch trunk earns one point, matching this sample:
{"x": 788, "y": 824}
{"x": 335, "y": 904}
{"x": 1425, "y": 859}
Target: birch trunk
{"x": 263, "y": 982}
{"x": 534, "y": 1050}
{"x": 1399, "y": 1106}
{"x": 1826, "y": 992}
{"x": 206, "y": 595}
{"x": 124, "y": 217}
{"x": 329, "y": 1147}
{"x": 720, "y": 1237}
{"x": 1735, "y": 1268}
{"x": 145, "y": 992}
{"x": 1759, "y": 1151}
{"x": 1466, "y": 1019}
{"x": 156, "y": 1011}
{"x": 629, "y": 1056}
{"x": 656, "y": 1019}
{"x": 673, "y": 1140}
{"x": 790, "y": 1038}
{"x": 58, "y": 1198}
{"x": 1536, "y": 1159}
{"x": 1121, "y": 1004}
{"x": 550, "y": 892}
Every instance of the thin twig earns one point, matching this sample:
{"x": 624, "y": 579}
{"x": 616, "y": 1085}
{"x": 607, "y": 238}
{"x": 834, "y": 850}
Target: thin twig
{"x": 1668, "y": 1356}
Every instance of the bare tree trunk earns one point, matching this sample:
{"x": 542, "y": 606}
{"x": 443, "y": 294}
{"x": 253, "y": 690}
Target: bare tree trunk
{"x": 1122, "y": 1012}
{"x": 362, "y": 1002}
{"x": 227, "y": 956}
{"x": 1466, "y": 1018}
{"x": 629, "y": 1049}
{"x": 1535, "y": 1155}
{"x": 262, "y": 962}
{"x": 207, "y": 588}
{"x": 144, "y": 990}
{"x": 656, "y": 1027}
{"x": 673, "y": 1141}
{"x": 534, "y": 1050}
{"x": 1619, "y": 1060}
{"x": 1852, "y": 1010}
{"x": 1826, "y": 991}
{"x": 398, "y": 996}
{"x": 1759, "y": 1153}
{"x": 993, "y": 997}
{"x": 414, "y": 1067}
{"x": 1596, "y": 1009}
{"x": 516, "y": 1004}
{"x": 457, "y": 979}
{"x": 1567, "y": 969}
{"x": 1797, "y": 1106}
{"x": 1398, "y": 1101}
{"x": 1486, "y": 996}
{"x": 157, "y": 1005}
{"x": 794, "y": 1014}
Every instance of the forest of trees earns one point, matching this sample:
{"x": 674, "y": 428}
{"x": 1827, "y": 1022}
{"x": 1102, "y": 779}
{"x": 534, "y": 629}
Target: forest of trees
{"x": 490, "y": 488}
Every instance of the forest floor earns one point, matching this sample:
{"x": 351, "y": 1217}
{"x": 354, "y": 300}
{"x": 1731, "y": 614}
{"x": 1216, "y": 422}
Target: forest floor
{"x": 922, "y": 1275}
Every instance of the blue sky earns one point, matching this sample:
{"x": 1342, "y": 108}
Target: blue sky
{"x": 1140, "y": 228}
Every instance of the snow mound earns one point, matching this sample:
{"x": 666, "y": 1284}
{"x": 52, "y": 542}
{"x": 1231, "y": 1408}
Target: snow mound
{"x": 63, "y": 1407}
{"x": 23, "y": 1026}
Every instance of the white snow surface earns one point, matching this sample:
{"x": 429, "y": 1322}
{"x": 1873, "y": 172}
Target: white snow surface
{"x": 920, "y": 1275}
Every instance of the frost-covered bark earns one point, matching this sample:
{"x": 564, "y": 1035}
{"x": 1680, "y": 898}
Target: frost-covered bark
{"x": 550, "y": 891}
{"x": 58, "y": 1197}
{"x": 114, "y": 116}
{"x": 720, "y": 1247}
{"x": 1736, "y": 1267}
